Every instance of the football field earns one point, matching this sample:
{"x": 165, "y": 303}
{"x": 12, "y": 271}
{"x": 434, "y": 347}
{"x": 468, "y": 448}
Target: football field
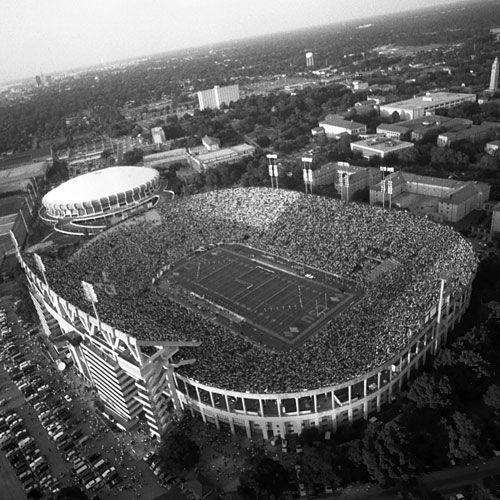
{"x": 266, "y": 299}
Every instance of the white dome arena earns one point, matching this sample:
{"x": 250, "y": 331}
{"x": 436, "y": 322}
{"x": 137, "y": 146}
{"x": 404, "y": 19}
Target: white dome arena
{"x": 101, "y": 191}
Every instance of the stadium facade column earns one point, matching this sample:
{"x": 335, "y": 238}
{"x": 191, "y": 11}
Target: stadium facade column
{"x": 379, "y": 377}
{"x": 248, "y": 429}
{"x": 265, "y": 432}
{"x": 400, "y": 378}
{"x": 202, "y": 409}
{"x": 365, "y": 404}
{"x": 349, "y": 399}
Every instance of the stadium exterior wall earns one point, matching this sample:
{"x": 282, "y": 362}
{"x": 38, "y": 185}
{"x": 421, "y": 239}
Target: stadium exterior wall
{"x": 133, "y": 384}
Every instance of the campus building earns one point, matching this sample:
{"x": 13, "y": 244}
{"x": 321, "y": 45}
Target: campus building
{"x": 334, "y": 125}
{"x": 208, "y": 159}
{"x": 380, "y": 146}
{"x": 158, "y": 135}
{"x": 492, "y": 148}
{"x": 351, "y": 180}
{"x": 495, "y": 221}
{"x": 426, "y": 104}
{"x": 309, "y": 60}
{"x": 164, "y": 159}
{"x": 474, "y": 133}
{"x": 494, "y": 76}
{"x": 423, "y": 127}
{"x": 213, "y": 98}
{"x": 443, "y": 200}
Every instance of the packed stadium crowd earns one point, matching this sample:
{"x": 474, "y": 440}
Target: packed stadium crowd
{"x": 316, "y": 231}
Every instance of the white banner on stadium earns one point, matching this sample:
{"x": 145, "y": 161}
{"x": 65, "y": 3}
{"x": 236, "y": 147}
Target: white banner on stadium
{"x": 310, "y": 175}
{"x": 89, "y": 292}
{"x": 275, "y": 168}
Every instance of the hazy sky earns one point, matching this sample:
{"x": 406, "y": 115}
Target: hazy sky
{"x": 48, "y": 35}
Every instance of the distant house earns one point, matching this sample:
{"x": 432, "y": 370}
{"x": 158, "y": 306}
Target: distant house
{"x": 492, "y": 148}
{"x": 211, "y": 143}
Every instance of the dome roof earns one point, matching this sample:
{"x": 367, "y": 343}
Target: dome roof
{"x": 99, "y": 184}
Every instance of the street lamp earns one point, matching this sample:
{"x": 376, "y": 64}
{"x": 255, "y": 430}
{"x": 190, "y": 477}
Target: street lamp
{"x": 307, "y": 172}
{"x": 384, "y": 170}
{"x": 273, "y": 168}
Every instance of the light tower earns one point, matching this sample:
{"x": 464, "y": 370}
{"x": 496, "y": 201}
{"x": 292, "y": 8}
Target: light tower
{"x": 494, "y": 76}
{"x": 309, "y": 60}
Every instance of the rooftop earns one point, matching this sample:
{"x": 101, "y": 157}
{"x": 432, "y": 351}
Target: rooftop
{"x": 428, "y": 99}
{"x": 339, "y": 121}
{"x": 165, "y": 154}
{"x": 100, "y": 183}
{"x": 382, "y": 143}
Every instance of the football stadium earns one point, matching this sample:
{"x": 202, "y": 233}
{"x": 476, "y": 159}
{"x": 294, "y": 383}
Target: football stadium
{"x": 89, "y": 203}
{"x": 263, "y": 311}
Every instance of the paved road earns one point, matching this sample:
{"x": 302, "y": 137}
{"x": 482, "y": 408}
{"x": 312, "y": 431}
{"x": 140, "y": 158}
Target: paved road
{"x": 450, "y": 480}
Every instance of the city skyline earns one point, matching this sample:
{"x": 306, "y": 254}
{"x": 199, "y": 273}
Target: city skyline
{"x": 42, "y": 37}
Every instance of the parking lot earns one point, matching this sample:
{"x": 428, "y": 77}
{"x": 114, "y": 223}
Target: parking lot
{"x": 60, "y": 420}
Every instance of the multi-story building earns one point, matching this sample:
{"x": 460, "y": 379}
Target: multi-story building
{"x": 492, "y": 148}
{"x": 393, "y": 130}
{"x": 210, "y": 143}
{"x": 352, "y": 180}
{"x": 423, "y": 127}
{"x": 203, "y": 161}
{"x": 474, "y": 133}
{"x": 443, "y": 200}
{"x": 426, "y": 104}
{"x": 164, "y": 159}
{"x": 309, "y": 60}
{"x": 495, "y": 221}
{"x": 494, "y": 76}
{"x": 213, "y": 98}
{"x": 380, "y": 146}
{"x": 158, "y": 135}
{"x": 334, "y": 125}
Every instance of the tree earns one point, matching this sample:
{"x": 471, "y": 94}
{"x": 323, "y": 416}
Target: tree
{"x": 263, "y": 479}
{"x": 463, "y": 437}
{"x": 178, "y": 452}
{"x": 58, "y": 172}
{"x": 317, "y": 467}
{"x": 132, "y": 157}
{"x": 492, "y": 397}
{"x": 385, "y": 453}
{"x": 426, "y": 391}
